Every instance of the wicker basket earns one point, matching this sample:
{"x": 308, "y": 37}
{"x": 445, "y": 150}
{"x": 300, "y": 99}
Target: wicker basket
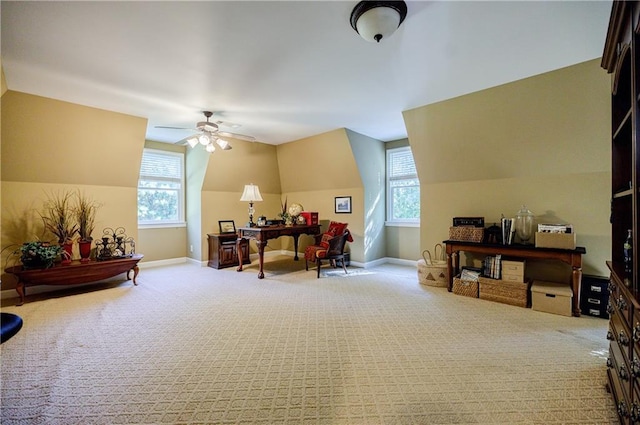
{"x": 433, "y": 275}
{"x": 466, "y": 233}
{"x": 468, "y": 288}
{"x": 506, "y": 292}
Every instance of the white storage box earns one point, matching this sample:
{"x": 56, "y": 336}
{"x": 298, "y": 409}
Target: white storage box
{"x": 551, "y": 297}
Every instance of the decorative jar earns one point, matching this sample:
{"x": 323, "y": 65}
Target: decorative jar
{"x": 524, "y": 225}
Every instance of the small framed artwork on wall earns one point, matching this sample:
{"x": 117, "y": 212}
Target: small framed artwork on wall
{"x": 343, "y": 205}
{"x": 227, "y": 226}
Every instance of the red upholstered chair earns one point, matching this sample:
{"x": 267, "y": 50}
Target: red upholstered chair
{"x": 329, "y": 246}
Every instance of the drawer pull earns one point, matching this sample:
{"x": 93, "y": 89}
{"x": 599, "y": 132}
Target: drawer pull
{"x": 636, "y": 332}
{"x": 612, "y": 287}
{"x": 635, "y": 413}
{"x": 609, "y": 362}
{"x": 623, "y": 374}
{"x": 622, "y": 304}
{"x": 635, "y": 368}
{"x": 610, "y": 336}
{"x": 622, "y": 410}
{"x": 610, "y": 309}
{"x": 623, "y": 338}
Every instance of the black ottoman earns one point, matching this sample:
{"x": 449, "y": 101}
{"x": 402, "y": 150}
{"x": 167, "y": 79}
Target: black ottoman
{"x": 11, "y": 324}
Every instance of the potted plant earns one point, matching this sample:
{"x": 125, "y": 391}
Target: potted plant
{"x": 85, "y": 213}
{"x": 57, "y": 217}
{"x": 38, "y": 254}
{"x": 284, "y": 213}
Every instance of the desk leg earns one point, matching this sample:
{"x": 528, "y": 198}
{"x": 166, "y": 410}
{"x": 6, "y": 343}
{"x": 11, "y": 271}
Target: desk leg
{"x": 20, "y": 291}
{"x": 576, "y": 276}
{"x": 261, "y": 245}
{"x": 452, "y": 267}
{"x": 239, "y": 243}
{"x": 295, "y": 247}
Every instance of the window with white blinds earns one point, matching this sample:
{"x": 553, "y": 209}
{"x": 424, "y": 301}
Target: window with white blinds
{"x": 161, "y": 188}
{"x": 403, "y": 187}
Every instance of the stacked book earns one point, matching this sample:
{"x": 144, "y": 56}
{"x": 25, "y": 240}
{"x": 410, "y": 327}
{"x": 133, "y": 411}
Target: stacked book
{"x": 508, "y": 230}
{"x": 492, "y": 266}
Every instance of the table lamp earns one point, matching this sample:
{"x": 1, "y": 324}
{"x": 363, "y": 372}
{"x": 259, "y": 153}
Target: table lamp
{"x": 251, "y": 194}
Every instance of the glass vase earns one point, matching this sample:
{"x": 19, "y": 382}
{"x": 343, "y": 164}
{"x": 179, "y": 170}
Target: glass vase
{"x": 524, "y": 225}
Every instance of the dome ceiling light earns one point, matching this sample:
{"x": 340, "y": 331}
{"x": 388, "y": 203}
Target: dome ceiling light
{"x": 375, "y": 20}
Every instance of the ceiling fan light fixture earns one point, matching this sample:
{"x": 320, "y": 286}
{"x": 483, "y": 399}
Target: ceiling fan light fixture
{"x": 203, "y": 139}
{"x": 375, "y": 20}
{"x": 224, "y": 145}
{"x": 210, "y": 148}
{"x": 192, "y": 141}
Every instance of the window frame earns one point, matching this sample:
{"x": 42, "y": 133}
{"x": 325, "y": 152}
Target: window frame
{"x": 413, "y": 222}
{"x": 180, "y": 222}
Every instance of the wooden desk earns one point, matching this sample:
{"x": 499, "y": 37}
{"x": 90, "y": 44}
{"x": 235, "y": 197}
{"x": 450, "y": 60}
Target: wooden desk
{"x": 74, "y": 273}
{"x": 262, "y": 235}
{"x": 572, "y": 257}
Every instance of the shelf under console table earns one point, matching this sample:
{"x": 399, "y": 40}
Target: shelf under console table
{"x": 572, "y": 257}
{"x": 74, "y": 274}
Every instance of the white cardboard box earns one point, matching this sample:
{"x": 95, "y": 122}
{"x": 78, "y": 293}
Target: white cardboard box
{"x": 551, "y": 297}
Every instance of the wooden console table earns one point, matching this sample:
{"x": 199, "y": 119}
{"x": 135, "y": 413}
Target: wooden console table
{"x": 74, "y": 273}
{"x": 572, "y": 257}
{"x": 262, "y": 234}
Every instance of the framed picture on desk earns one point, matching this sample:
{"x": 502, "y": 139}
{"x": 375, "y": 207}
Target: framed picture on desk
{"x": 227, "y": 226}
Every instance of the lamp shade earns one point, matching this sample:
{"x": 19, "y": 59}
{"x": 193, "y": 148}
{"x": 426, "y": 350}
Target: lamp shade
{"x": 251, "y": 193}
{"x": 375, "y": 20}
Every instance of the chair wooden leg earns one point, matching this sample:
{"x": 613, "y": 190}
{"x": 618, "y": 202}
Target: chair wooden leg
{"x": 319, "y": 262}
{"x": 306, "y": 264}
{"x": 344, "y": 266}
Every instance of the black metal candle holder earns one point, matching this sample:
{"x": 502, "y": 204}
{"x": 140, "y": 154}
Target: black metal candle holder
{"x": 114, "y": 244}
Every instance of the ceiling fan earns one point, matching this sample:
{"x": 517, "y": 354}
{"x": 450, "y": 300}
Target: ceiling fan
{"x": 210, "y": 134}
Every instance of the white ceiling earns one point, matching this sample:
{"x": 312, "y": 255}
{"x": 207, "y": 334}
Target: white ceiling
{"x": 284, "y": 70}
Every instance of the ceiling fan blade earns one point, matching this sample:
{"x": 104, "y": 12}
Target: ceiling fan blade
{"x": 237, "y": 136}
{"x": 228, "y": 124}
{"x": 174, "y": 128}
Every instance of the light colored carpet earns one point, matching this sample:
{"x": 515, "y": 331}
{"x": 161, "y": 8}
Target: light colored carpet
{"x": 193, "y": 345}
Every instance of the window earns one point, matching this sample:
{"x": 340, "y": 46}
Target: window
{"x": 403, "y": 187}
{"x": 161, "y": 188}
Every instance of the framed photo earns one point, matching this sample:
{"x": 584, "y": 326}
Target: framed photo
{"x": 343, "y": 205}
{"x": 227, "y": 226}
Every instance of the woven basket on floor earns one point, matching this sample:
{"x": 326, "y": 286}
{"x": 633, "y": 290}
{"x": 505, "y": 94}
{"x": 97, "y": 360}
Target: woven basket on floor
{"x": 468, "y": 288}
{"x": 433, "y": 272}
{"x": 506, "y": 292}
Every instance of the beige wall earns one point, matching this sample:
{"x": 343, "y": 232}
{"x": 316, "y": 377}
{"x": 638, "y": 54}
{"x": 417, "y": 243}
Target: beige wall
{"x": 542, "y": 141}
{"x": 315, "y": 170}
{"x": 49, "y": 146}
{"x": 227, "y": 173}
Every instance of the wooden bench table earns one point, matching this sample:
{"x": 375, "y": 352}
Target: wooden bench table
{"x": 74, "y": 273}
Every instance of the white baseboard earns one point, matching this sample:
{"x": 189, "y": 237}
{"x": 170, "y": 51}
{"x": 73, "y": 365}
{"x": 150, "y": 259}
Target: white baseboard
{"x": 167, "y": 262}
